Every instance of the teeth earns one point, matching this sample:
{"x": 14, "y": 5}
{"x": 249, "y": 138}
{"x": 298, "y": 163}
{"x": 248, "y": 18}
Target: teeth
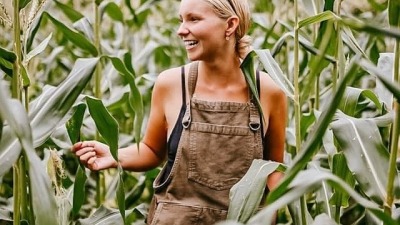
{"x": 190, "y": 43}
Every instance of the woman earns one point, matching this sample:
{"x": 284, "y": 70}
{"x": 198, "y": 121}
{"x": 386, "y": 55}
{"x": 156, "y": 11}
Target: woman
{"x": 203, "y": 119}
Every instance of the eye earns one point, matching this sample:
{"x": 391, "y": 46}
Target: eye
{"x": 194, "y": 19}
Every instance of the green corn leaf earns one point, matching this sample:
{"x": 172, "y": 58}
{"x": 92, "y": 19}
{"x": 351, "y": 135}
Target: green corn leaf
{"x": 275, "y": 72}
{"x": 26, "y": 81}
{"x": 79, "y": 190}
{"x": 311, "y": 145}
{"x": 53, "y": 105}
{"x": 85, "y": 27}
{"x": 48, "y": 110}
{"x": 112, "y": 10}
{"x": 324, "y": 16}
{"x": 309, "y": 180}
{"x": 7, "y": 59}
{"x": 39, "y": 49}
{"x": 340, "y": 169}
{"x": 6, "y": 66}
{"x": 390, "y": 85}
{"x": 367, "y": 27}
{"x": 105, "y": 123}
{"x": 135, "y": 98}
{"x": 105, "y": 215}
{"x": 128, "y": 63}
{"x": 393, "y": 13}
{"x": 75, "y": 37}
{"x": 247, "y": 68}
{"x": 365, "y": 153}
{"x": 23, "y": 3}
{"x": 246, "y": 195}
{"x": 74, "y": 124}
{"x": 303, "y": 42}
{"x": 121, "y": 194}
{"x": 7, "y": 55}
{"x": 313, "y": 7}
{"x": 43, "y": 199}
{"x": 324, "y": 193}
{"x": 351, "y": 100}
{"x": 70, "y": 12}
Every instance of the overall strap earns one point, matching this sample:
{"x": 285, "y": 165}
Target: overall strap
{"x": 255, "y": 115}
{"x": 183, "y": 85}
{"x": 259, "y": 94}
{"x": 187, "y": 118}
{"x": 193, "y": 72}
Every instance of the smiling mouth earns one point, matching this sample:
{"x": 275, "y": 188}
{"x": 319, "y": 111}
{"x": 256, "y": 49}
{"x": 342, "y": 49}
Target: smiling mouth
{"x": 190, "y": 44}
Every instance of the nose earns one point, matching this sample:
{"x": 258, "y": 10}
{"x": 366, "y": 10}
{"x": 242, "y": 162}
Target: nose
{"x": 182, "y": 30}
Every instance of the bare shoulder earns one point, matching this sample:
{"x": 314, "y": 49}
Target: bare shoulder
{"x": 269, "y": 88}
{"x": 168, "y": 78}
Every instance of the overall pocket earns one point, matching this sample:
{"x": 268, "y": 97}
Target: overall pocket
{"x": 176, "y": 214}
{"x": 219, "y": 155}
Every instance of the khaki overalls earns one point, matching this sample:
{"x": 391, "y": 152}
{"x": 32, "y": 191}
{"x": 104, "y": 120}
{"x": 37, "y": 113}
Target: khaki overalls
{"x": 217, "y": 146}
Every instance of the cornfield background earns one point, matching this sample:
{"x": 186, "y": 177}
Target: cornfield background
{"x": 83, "y": 69}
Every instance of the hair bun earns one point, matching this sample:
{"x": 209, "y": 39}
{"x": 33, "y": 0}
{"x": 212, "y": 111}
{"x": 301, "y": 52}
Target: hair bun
{"x": 244, "y": 46}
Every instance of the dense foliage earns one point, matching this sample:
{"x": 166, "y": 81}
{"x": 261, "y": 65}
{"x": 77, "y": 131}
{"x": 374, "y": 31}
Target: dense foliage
{"x": 76, "y": 70}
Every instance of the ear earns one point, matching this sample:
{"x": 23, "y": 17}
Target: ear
{"x": 232, "y": 24}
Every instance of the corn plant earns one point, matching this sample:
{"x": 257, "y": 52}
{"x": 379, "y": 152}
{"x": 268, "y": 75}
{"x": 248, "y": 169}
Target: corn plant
{"x": 79, "y": 70}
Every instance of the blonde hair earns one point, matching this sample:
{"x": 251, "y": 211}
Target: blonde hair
{"x": 240, "y": 8}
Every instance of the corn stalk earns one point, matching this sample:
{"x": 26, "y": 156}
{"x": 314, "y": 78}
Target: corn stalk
{"x": 394, "y": 20}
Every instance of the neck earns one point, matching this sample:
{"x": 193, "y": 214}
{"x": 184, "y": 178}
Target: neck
{"x": 220, "y": 72}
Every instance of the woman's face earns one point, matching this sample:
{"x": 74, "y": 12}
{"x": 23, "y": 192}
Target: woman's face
{"x": 202, "y": 31}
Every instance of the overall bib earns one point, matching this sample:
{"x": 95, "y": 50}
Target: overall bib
{"x": 218, "y": 143}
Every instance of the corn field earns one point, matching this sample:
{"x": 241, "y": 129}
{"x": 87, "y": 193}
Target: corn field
{"x": 74, "y": 70}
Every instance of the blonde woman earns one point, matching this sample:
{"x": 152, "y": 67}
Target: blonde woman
{"x": 204, "y": 121}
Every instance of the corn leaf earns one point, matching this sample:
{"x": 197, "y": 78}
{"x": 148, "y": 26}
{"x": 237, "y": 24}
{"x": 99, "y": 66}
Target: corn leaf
{"x": 365, "y": 153}
{"x": 311, "y": 145}
{"x": 43, "y": 199}
{"x": 23, "y": 3}
{"x": 106, "y": 125}
{"x": 79, "y": 190}
{"x": 48, "y": 110}
{"x": 313, "y": 7}
{"x": 324, "y": 16}
{"x": 112, "y": 10}
{"x": 245, "y": 196}
{"x": 75, "y": 37}
{"x": 275, "y": 72}
{"x": 135, "y": 98}
{"x": 390, "y": 85}
{"x": 393, "y": 13}
{"x": 105, "y": 215}
{"x": 360, "y": 25}
{"x": 352, "y": 100}
{"x": 247, "y": 68}
{"x": 307, "y": 181}
{"x": 340, "y": 169}
{"x": 121, "y": 194}
{"x": 74, "y": 124}
{"x": 39, "y": 49}
{"x": 70, "y": 12}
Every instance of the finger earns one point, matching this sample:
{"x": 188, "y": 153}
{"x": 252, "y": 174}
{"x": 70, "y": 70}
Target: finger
{"x": 76, "y": 146}
{"x": 85, "y": 157}
{"x": 83, "y": 151}
{"x": 92, "y": 164}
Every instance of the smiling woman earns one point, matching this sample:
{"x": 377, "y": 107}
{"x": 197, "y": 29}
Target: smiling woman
{"x": 208, "y": 128}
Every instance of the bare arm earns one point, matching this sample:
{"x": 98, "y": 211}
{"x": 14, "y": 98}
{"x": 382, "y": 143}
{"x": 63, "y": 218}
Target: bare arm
{"x": 276, "y": 103}
{"x": 152, "y": 149}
